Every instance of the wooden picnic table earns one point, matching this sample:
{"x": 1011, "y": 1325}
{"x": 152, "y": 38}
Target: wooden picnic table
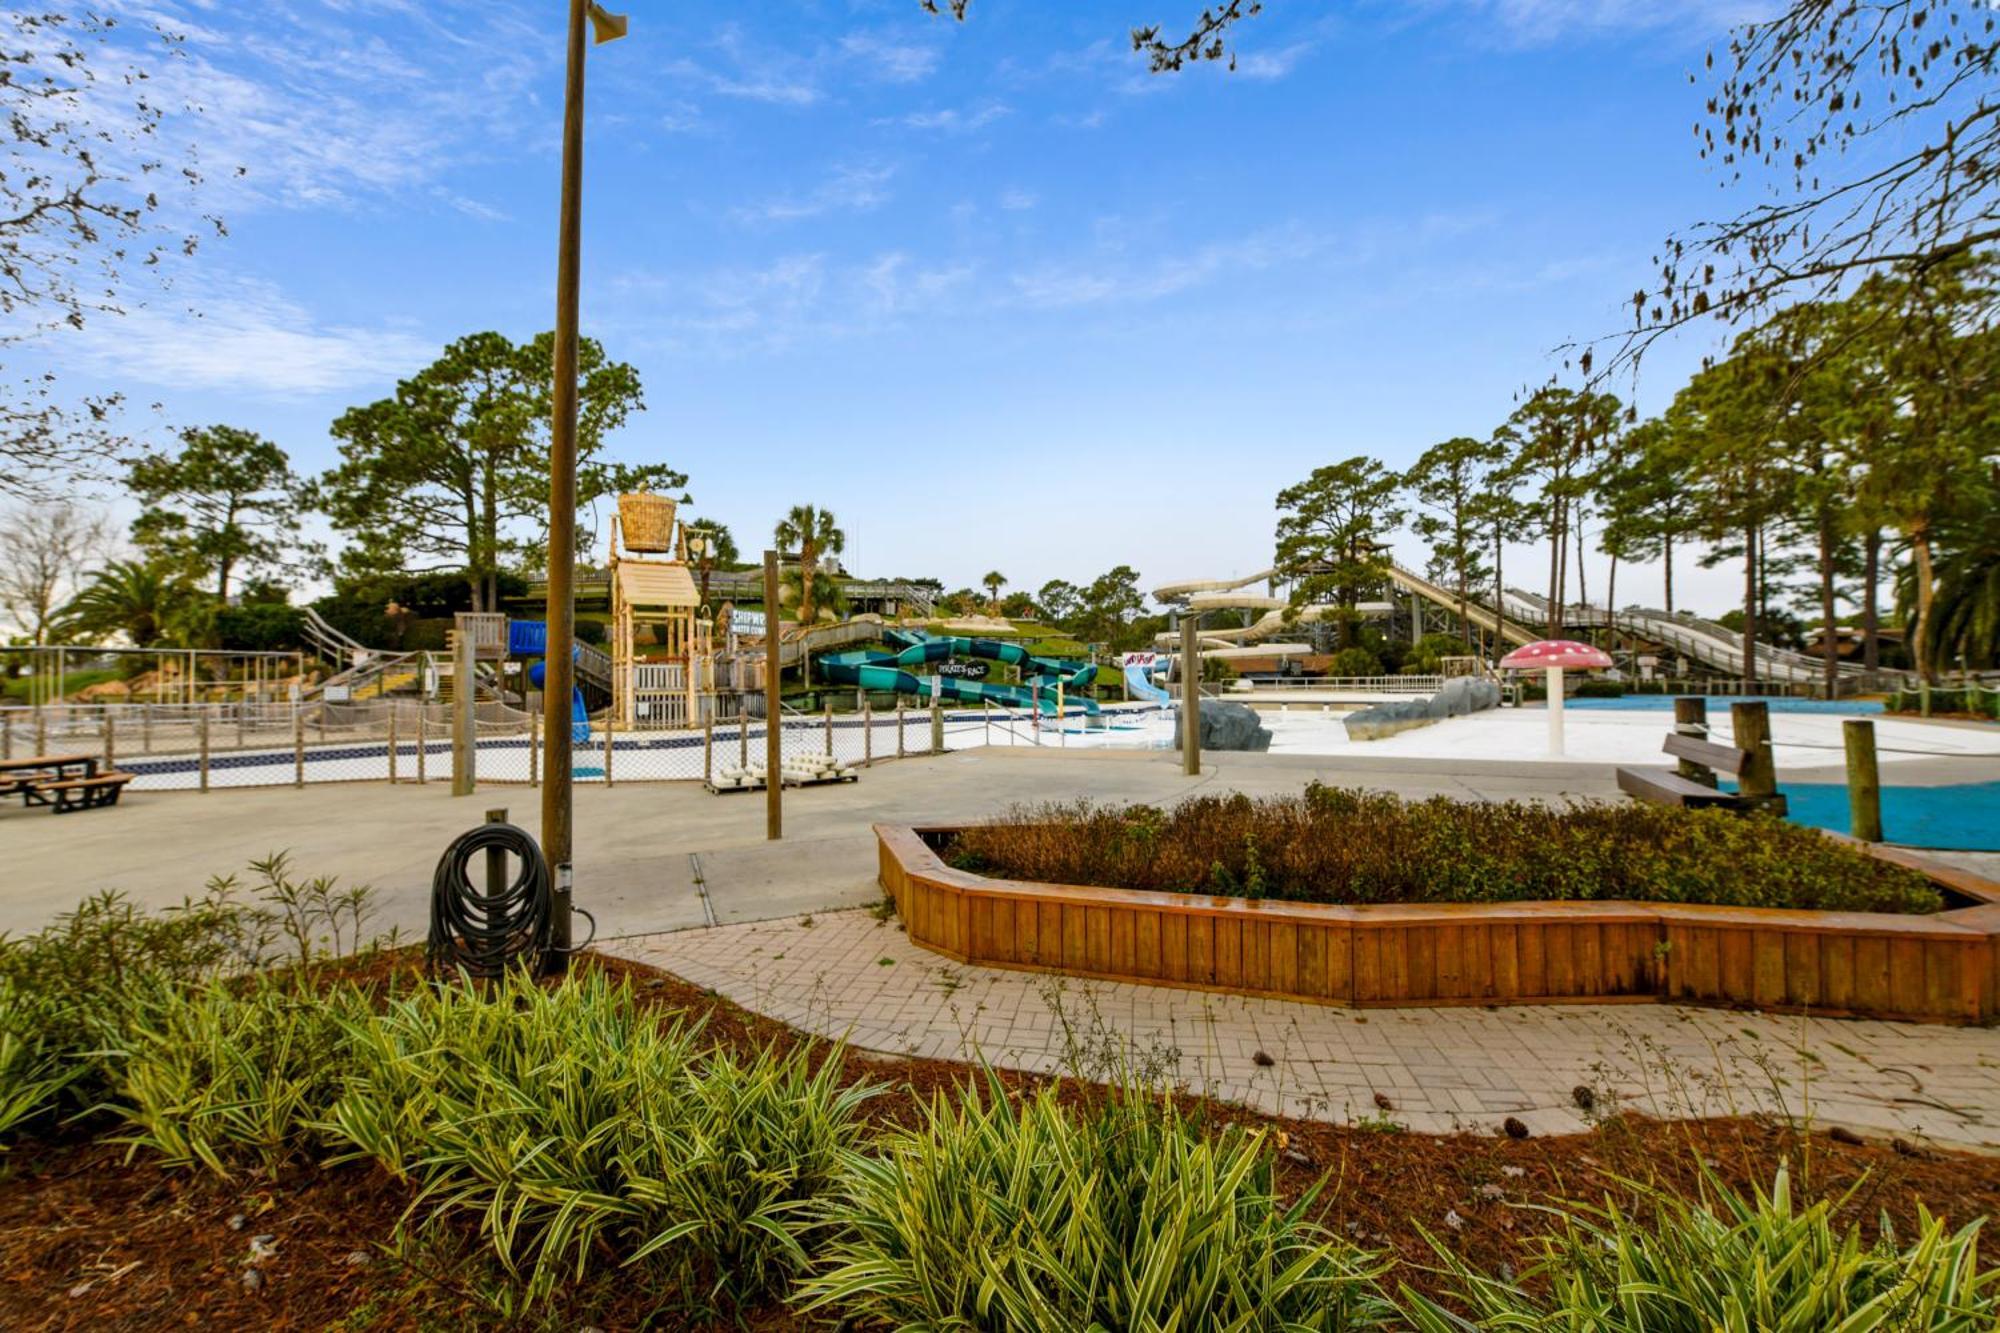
{"x": 19, "y": 777}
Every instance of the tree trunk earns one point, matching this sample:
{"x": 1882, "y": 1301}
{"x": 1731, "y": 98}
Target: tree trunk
{"x": 1920, "y": 559}
{"x": 1611, "y": 604}
{"x": 1667, "y": 551}
{"x": 1562, "y": 567}
{"x": 1582, "y": 585}
{"x": 1555, "y": 569}
{"x": 1750, "y": 603}
{"x": 1871, "y": 578}
{"x": 1829, "y": 645}
{"x": 489, "y": 542}
{"x": 1499, "y": 601}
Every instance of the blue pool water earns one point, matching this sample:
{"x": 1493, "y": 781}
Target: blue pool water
{"x": 1964, "y": 817}
{"x": 1719, "y": 703}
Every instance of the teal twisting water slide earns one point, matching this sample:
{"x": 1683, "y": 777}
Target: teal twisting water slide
{"x": 888, "y": 672}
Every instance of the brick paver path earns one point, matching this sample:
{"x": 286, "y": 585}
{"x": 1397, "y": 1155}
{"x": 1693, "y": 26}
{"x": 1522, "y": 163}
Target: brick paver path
{"x": 849, "y": 974}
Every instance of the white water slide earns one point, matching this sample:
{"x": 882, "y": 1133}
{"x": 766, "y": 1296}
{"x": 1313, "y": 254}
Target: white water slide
{"x": 1525, "y": 615}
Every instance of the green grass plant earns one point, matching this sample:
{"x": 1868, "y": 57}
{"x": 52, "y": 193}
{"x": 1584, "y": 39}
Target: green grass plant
{"x": 1730, "y": 1263}
{"x": 1019, "y": 1215}
{"x": 574, "y": 1126}
{"x": 232, "y": 1075}
{"x": 1335, "y": 845}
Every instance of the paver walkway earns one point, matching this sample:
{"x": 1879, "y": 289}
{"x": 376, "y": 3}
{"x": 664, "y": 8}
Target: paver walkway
{"x": 849, "y": 974}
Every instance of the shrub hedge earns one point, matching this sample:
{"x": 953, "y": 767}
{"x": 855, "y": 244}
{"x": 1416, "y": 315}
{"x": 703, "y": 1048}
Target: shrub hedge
{"x": 1333, "y": 845}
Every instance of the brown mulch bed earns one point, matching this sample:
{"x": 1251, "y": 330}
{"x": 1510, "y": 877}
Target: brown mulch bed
{"x": 90, "y": 1241}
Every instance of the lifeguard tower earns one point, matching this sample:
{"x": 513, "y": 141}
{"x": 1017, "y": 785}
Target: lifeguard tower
{"x": 658, "y": 649}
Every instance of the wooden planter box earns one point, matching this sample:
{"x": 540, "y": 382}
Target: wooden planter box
{"x": 1938, "y": 968}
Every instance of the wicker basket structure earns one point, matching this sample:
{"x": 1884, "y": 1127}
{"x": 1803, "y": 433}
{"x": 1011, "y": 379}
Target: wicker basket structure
{"x": 646, "y": 522}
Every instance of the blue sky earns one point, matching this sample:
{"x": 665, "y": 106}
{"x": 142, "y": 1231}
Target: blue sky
{"x": 990, "y": 291}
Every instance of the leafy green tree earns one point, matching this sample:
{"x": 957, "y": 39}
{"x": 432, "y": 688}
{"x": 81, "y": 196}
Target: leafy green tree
{"x": 1558, "y": 435}
{"x": 1018, "y": 605}
{"x": 1647, "y": 503}
{"x": 1447, "y": 483}
{"x": 451, "y": 473}
{"x": 1059, "y": 600}
{"x": 1333, "y": 531}
{"x": 148, "y": 601}
{"x": 1107, "y": 608}
{"x": 1964, "y": 627}
{"x": 227, "y": 502}
{"x": 811, "y": 534}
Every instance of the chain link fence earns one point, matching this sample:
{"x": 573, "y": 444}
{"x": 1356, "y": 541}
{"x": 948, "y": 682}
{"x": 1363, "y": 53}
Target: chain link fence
{"x": 204, "y": 747}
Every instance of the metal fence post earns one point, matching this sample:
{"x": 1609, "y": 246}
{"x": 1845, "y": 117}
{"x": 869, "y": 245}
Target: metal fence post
{"x": 202, "y": 726}
{"x": 298, "y": 745}
{"x": 423, "y": 744}
{"x": 392, "y": 743}
{"x": 867, "y": 735}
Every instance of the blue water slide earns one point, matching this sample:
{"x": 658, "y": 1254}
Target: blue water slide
{"x": 1139, "y": 682}
{"x": 530, "y": 638}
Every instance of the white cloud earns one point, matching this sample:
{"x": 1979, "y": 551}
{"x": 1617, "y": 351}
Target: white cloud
{"x": 1534, "y": 22}
{"x": 318, "y": 113}
{"x": 1114, "y": 278}
{"x": 951, "y": 120}
{"x": 889, "y": 60}
{"x": 1271, "y": 65}
{"x": 247, "y": 337}
{"x": 849, "y": 189}
{"x": 1018, "y": 200}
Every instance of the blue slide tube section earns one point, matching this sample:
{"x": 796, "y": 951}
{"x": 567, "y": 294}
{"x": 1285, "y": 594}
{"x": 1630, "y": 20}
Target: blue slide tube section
{"x": 579, "y": 713}
{"x": 1139, "y": 680}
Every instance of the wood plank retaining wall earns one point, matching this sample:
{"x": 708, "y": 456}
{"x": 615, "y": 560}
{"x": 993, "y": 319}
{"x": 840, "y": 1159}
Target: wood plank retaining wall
{"x": 1939, "y": 968}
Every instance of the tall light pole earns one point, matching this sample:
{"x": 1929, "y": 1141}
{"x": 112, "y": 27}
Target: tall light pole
{"x": 559, "y": 671}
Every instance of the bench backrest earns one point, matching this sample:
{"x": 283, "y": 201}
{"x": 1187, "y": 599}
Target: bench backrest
{"x": 1723, "y": 758}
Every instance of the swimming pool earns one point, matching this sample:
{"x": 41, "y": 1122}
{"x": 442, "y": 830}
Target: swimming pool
{"x": 1963, "y": 817}
{"x": 1664, "y": 703}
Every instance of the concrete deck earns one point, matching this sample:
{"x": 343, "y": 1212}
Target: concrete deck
{"x": 647, "y": 852}
{"x": 853, "y": 976}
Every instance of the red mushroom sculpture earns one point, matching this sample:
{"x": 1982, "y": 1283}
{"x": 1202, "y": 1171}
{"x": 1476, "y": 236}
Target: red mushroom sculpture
{"x": 1553, "y": 656}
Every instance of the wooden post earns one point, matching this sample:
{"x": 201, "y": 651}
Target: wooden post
{"x": 743, "y": 740}
{"x": 708, "y": 747}
{"x": 986, "y": 721}
{"x": 899, "y": 728}
{"x": 1190, "y": 699}
{"x": 1691, "y": 719}
{"x": 202, "y": 762}
{"x": 298, "y": 745}
{"x": 608, "y": 747}
{"x": 423, "y": 743}
{"x": 496, "y": 861}
{"x": 110, "y": 740}
{"x": 464, "y": 721}
{"x": 829, "y": 728}
{"x": 534, "y": 748}
{"x": 42, "y": 729}
{"x": 774, "y": 708}
{"x": 1758, "y": 783}
{"x": 146, "y": 728}
{"x": 392, "y": 742}
{"x": 937, "y": 717}
{"x": 1864, "y": 780}
{"x": 867, "y": 734}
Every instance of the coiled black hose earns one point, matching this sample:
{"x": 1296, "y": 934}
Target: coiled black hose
{"x": 483, "y": 933}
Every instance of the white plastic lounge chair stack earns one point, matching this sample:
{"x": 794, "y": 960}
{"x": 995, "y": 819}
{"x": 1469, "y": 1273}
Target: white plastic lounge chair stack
{"x": 746, "y": 778}
{"x": 807, "y": 769}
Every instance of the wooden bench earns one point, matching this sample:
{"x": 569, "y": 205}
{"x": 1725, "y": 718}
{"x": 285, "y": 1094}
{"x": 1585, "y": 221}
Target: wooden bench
{"x": 1693, "y": 783}
{"x": 69, "y": 794}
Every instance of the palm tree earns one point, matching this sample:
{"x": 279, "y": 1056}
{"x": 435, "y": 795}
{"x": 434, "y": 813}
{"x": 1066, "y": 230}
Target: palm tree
{"x": 813, "y": 533}
{"x": 994, "y": 582}
{"x": 1964, "y": 624}
{"x": 144, "y": 600}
